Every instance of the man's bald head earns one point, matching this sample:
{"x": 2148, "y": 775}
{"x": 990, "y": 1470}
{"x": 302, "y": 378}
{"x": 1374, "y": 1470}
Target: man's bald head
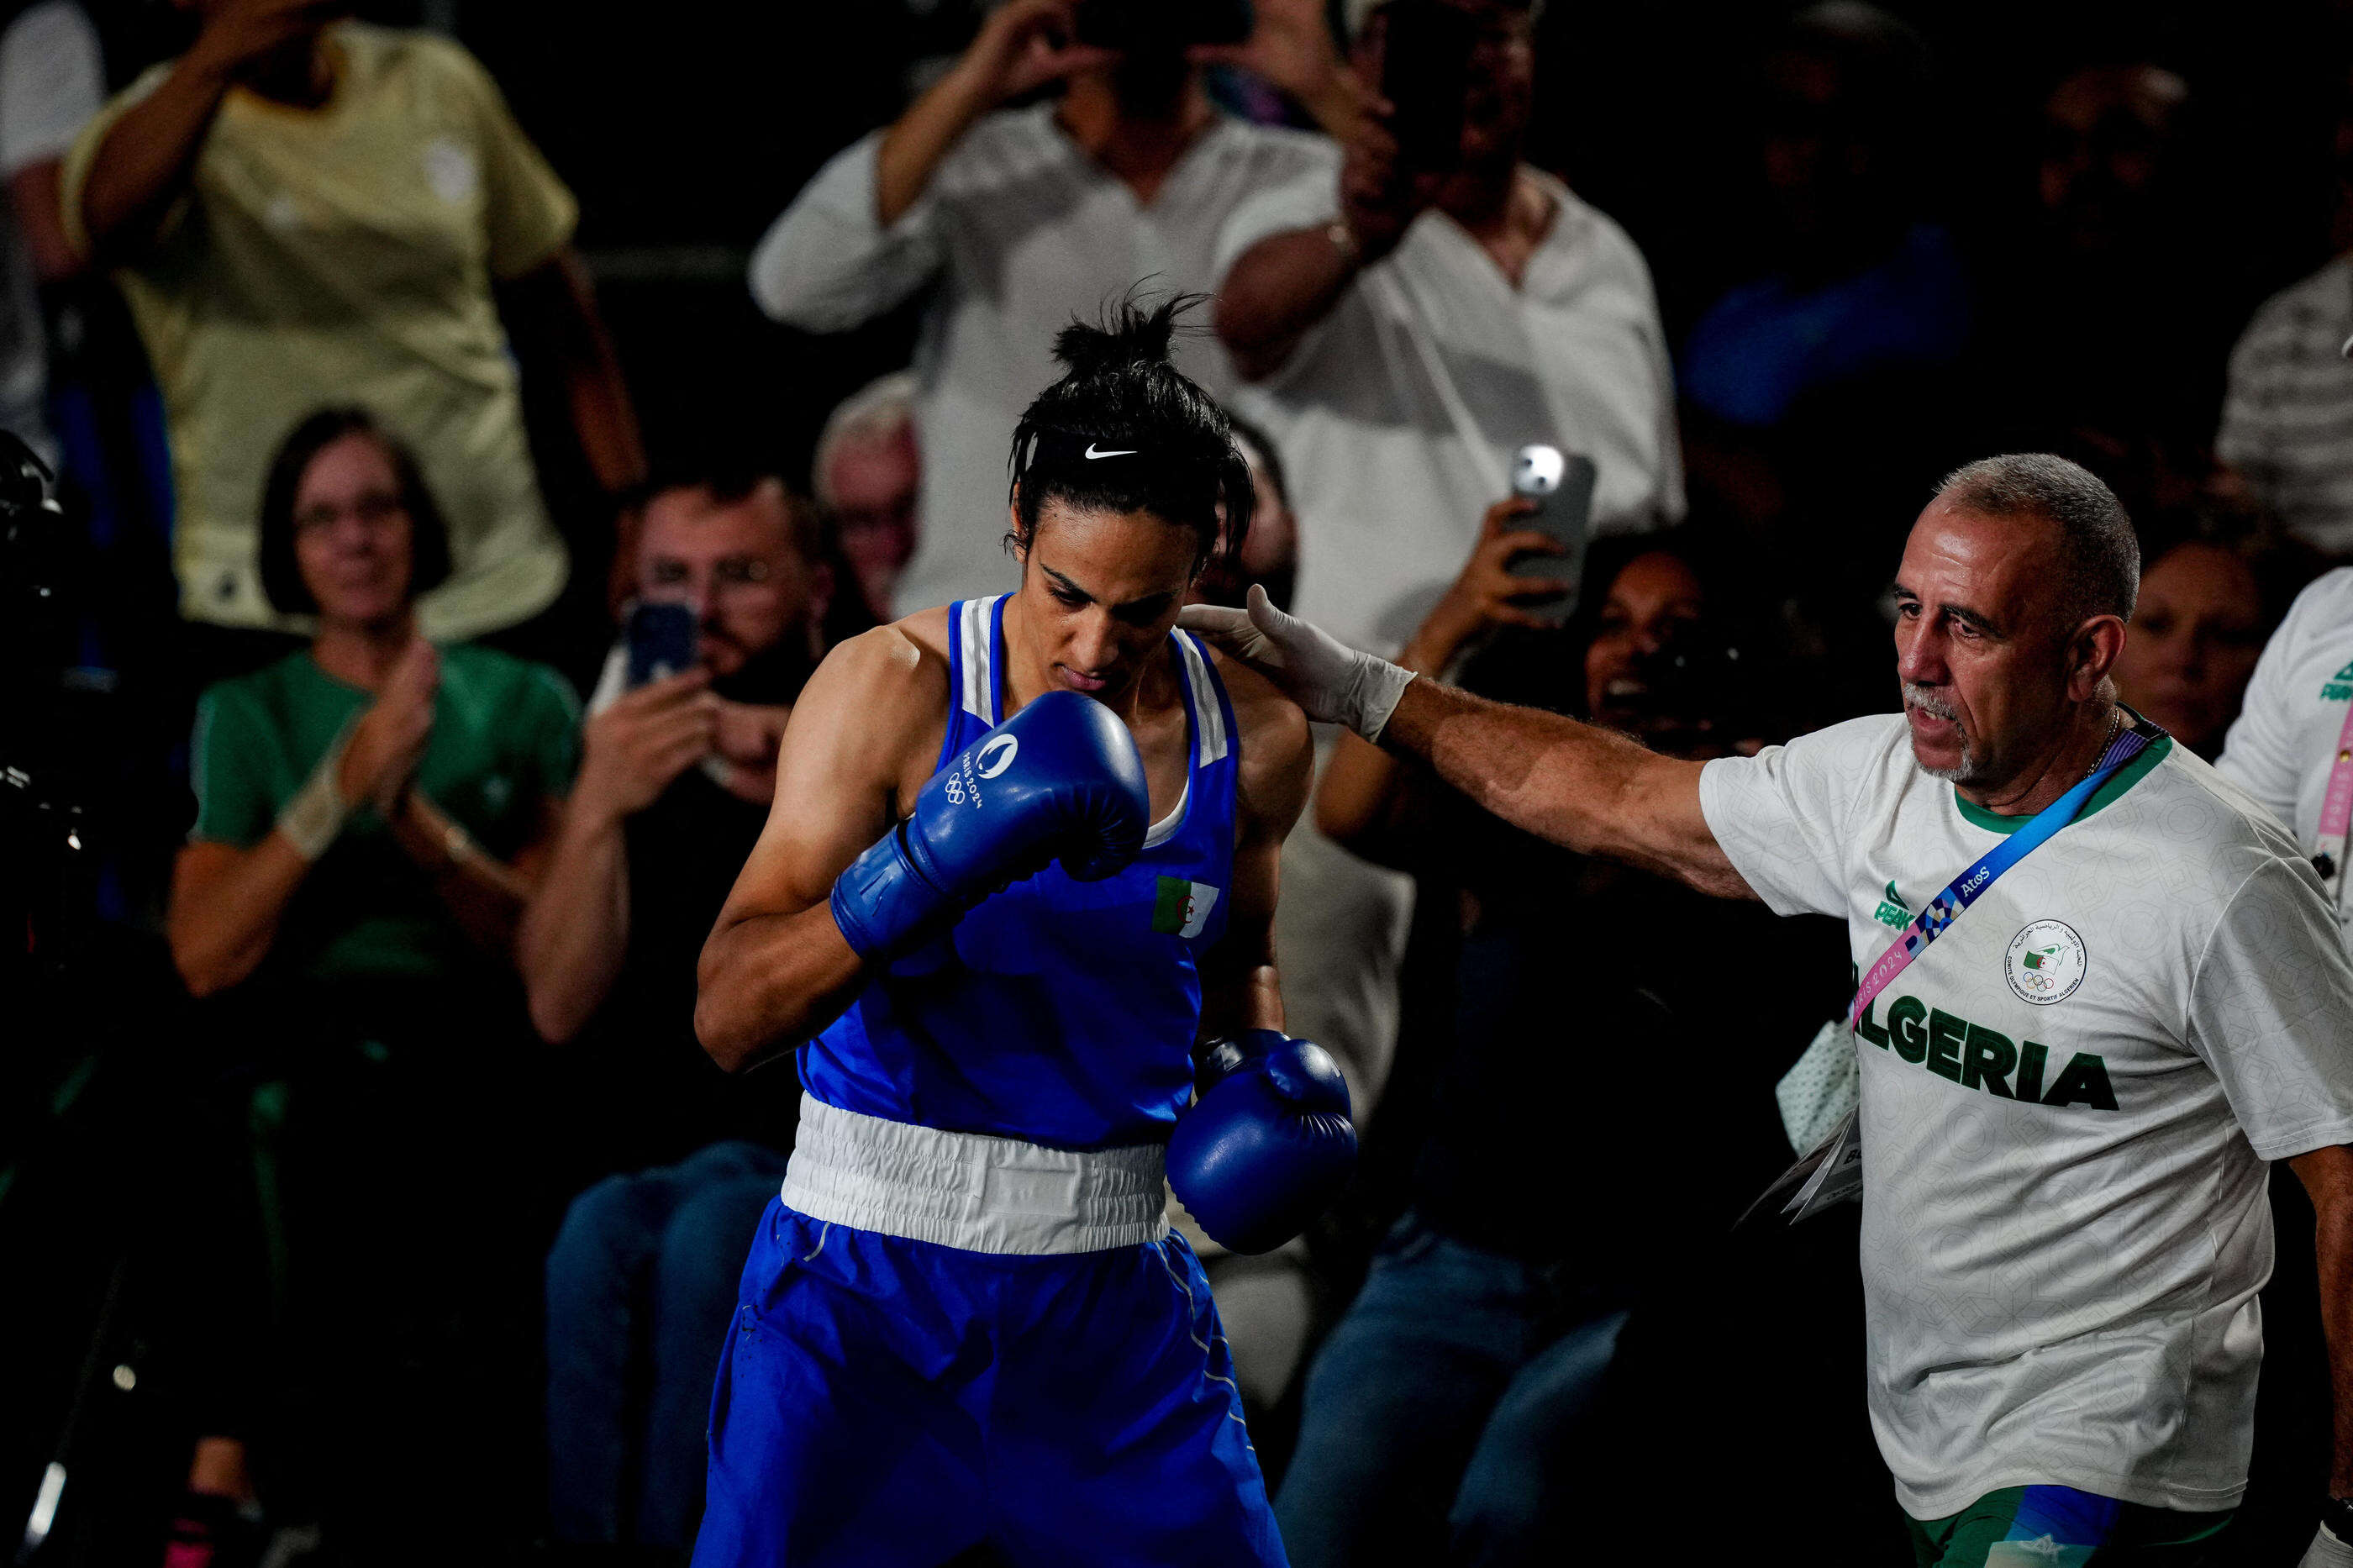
{"x": 2098, "y": 555}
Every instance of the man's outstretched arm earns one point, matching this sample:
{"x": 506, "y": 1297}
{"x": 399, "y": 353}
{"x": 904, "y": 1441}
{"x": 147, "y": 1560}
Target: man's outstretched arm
{"x": 1581, "y": 787}
{"x": 1578, "y": 785}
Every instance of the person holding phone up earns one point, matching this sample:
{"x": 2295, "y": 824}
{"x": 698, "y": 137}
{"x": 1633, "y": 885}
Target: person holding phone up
{"x": 672, "y": 1160}
{"x": 1412, "y": 312}
{"x": 1023, "y": 215}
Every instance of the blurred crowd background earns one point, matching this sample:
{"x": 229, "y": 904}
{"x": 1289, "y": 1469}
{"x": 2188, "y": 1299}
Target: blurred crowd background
{"x": 364, "y": 1195}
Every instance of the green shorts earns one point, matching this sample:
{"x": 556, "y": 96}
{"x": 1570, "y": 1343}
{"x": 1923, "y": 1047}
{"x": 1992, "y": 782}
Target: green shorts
{"x": 2058, "y": 1527}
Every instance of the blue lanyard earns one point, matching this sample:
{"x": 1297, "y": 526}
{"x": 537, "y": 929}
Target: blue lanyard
{"x": 1966, "y": 888}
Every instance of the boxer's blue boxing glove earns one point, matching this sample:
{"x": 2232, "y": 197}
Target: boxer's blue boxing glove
{"x": 1060, "y": 779}
{"x": 1267, "y": 1144}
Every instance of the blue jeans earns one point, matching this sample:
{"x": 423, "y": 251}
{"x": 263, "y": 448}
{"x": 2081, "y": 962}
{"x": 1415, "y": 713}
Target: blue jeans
{"x": 1444, "y": 1414}
{"x": 640, "y": 1291}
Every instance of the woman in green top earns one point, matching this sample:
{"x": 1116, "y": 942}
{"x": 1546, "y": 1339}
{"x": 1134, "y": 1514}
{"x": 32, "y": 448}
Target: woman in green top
{"x": 372, "y": 815}
{"x": 371, "y": 806}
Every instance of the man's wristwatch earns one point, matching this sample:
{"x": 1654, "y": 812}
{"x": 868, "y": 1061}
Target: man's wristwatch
{"x": 2336, "y": 1514}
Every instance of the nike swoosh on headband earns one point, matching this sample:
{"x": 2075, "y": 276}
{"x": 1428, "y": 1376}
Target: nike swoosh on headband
{"x": 1128, "y": 452}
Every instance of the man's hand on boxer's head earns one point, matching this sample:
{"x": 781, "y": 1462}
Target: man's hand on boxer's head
{"x": 1335, "y": 683}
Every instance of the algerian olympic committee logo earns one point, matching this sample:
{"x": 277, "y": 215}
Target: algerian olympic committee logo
{"x": 2045, "y": 963}
{"x": 997, "y": 755}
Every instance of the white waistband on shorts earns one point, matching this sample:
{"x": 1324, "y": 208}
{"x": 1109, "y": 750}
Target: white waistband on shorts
{"x": 971, "y": 1191}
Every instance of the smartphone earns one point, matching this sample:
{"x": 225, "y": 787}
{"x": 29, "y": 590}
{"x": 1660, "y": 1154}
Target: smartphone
{"x": 1561, "y": 484}
{"x": 1426, "y": 74}
{"x": 661, "y": 642}
{"x": 1133, "y": 24}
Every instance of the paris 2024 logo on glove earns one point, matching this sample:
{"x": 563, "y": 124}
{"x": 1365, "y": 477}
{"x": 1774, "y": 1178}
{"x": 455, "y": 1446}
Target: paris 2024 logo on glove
{"x": 2045, "y": 963}
{"x": 992, "y": 758}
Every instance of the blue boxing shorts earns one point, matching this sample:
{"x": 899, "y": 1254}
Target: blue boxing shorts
{"x": 889, "y": 1398}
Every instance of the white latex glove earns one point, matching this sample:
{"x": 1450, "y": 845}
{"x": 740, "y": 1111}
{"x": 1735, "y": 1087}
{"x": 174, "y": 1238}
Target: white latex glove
{"x": 2327, "y": 1551}
{"x": 1334, "y": 682}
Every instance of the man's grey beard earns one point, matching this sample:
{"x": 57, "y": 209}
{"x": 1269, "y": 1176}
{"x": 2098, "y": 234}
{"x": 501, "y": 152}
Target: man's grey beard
{"x": 1935, "y": 706}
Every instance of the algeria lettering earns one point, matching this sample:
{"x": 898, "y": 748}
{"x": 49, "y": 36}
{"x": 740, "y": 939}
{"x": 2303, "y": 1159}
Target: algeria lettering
{"x": 1978, "y": 1057}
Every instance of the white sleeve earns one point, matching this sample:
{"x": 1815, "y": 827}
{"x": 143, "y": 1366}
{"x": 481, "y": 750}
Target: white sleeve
{"x": 2259, "y": 753}
{"x": 2271, "y": 1011}
{"x": 51, "y": 81}
{"x": 1308, "y": 199}
{"x": 1781, "y": 814}
{"x": 826, "y": 265}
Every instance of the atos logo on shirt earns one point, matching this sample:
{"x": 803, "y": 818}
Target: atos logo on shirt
{"x": 1978, "y": 1057}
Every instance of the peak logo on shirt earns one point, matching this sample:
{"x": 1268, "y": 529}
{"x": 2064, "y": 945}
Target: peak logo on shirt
{"x": 1890, "y": 910}
{"x": 1986, "y": 1059}
{"x": 2338, "y": 686}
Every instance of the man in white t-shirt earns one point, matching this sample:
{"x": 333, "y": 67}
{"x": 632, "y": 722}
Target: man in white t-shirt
{"x": 1027, "y": 217}
{"x": 2285, "y": 743}
{"x": 1405, "y": 331}
{"x": 2069, "y": 1097}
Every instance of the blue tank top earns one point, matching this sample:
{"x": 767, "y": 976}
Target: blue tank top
{"x": 1058, "y": 1012}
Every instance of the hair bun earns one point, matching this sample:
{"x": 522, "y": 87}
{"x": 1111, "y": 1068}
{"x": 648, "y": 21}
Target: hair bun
{"x": 1130, "y": 335}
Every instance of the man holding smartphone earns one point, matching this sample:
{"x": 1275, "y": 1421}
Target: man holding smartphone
{"x": 677, "y": 772}
{"x": 1411, "y": 314}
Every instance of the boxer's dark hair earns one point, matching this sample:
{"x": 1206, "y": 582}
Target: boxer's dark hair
{"x": 2098, "y": 551}
{"x": 1160, "y": 444}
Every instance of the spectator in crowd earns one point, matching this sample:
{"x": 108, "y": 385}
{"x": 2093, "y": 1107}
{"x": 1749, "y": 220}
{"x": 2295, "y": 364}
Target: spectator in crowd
{"x": 303, "y": 210}
{"x": 1804, "y": 387}
{"x": 1026, "y": 216}
{"x": 866, "y": 475}
{"x": 1450, "y": 1415}
{"x": 1406, "y": 330}
{"x": 675, "y": 780}
{"x": 52, "y": 80}
{"x": 1270, "y": 553}
{"x": 2124, "y": 233}
{"x": 2286, "y": 748}
{"x": 2211, "y": 593}
{"x": 373, "y": 811}
{"x": 1267, "y": 1301}
{"x": 2288, "y": 410}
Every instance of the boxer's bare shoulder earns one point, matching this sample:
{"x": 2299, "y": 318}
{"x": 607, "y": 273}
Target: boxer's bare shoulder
{"x": 1277, "y": 750}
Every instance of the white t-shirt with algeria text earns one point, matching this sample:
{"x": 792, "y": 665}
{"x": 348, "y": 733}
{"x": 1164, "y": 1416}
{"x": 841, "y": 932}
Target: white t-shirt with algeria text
{"x": 2067, "y": 1104}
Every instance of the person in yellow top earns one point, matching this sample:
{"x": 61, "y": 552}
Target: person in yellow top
{"x": 307, "y": 210}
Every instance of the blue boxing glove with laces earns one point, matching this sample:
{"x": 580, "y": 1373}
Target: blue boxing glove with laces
{"x": 1267, "y": 1144}
{"x": 1060, "y": 780}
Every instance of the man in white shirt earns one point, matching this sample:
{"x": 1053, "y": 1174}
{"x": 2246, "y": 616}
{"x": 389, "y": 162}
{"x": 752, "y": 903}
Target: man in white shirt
{"x": 2286, "y": 742}
{"x": 1028, "y": 217}
{"x": 1405, "y": 331}
{"x": 2069, "y": 1096}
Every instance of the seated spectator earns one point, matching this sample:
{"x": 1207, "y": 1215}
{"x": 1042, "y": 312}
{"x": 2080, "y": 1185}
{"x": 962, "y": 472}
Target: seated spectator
{"x": 1450, "y": 1415}
{"x": 2210, "y": 595}
{"x": 2128, "y": 226}
{"x": 372, "y": 814}
{"x": 675, "y": 782}
{"x": 1404, "y": 333}
{"x": 2290, "y": 397}
{"x": 1803, "y": 385}
{"x": 866, "y": 474}
{"x": 1025, "y": 217}
{"x": 304, "y": 209}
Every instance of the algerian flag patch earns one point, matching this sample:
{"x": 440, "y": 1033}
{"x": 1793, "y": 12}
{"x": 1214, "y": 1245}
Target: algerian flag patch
{"x": 1181, "y": 908}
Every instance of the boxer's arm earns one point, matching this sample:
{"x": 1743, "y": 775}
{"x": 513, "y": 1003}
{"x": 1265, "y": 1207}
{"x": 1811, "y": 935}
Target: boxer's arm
{"x": 776, "y": 969}
{"x": 1239, "y": 987}
{"x": 1581, "y": 787}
